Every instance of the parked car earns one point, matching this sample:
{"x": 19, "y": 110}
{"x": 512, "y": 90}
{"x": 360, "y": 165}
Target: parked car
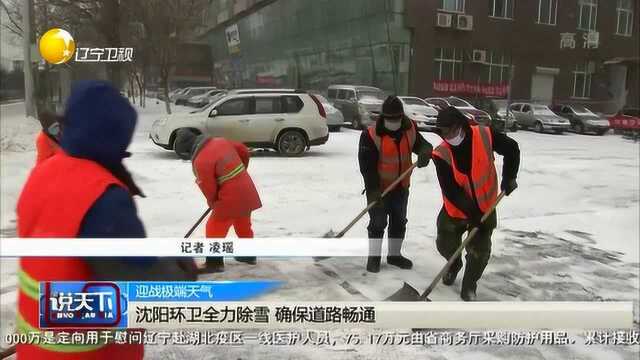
{"x": 335, "y": 119}
{"x": 626, "y": 121}
{"x": 479, "y": 116}
{"x": 203, "y": 99}
{"x": 181, "y": 97}
{"x": 582, "y": 119}
{"x": 287, "y": 122}
{"x": 501, "y": 120}
{"x": 419, "y": 111}
{"x": 360, "y": 105}
{"x": 539, "y": 117}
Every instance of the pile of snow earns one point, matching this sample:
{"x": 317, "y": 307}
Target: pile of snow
{"x": 18, "y": 134}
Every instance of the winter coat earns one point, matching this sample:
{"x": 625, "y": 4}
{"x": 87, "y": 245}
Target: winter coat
{"x": 221, "y": 173}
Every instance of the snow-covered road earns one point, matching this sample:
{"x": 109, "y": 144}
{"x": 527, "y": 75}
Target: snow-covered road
{"x": 570, "y": 231}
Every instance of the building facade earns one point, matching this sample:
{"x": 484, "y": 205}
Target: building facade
{"x": 578, "y": 51}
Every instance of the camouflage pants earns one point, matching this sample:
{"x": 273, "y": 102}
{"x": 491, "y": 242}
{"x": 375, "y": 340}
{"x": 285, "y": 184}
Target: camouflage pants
{"x": 450, "y": 231}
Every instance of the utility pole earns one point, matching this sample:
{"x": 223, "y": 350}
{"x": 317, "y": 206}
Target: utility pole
{"x": 29, "y": 107}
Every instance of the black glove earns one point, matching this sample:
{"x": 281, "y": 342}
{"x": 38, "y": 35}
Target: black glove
{"x": 374, "y": 195}
{"x": 423, "y": 158}
{"x": 508, "y": 185}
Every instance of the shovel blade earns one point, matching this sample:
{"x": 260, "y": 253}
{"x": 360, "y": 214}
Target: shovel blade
{"x": 406, "y": 293}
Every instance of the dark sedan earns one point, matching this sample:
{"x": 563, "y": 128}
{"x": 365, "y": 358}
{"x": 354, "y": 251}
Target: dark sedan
{"x": 582, "y": 119}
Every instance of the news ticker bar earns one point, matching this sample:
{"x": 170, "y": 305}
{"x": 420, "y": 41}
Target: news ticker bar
{"x": 173, "y": 247}
{"x": 226, "y": 305}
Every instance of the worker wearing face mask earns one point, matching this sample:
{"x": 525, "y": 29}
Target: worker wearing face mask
{"x": 469, "y": 183}
{"x": 384, "y": 154}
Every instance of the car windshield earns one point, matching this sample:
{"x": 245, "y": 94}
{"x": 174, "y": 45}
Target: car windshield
{"x": 579, "y": 109}
{"x": 370, "y": 94}
{"x": 414, "y": 101}
{"x": 542, "y": 110}
{"x": 455, "y": 102}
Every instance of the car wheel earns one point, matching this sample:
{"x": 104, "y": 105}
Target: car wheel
{"x": 292, "y": 143}
{"x": 539, "y": 127}
{"x": 601, "y": 132}
{"x": 559, "y": 131}
{"x": 183, "y": 143}
{"x": 514, "y": 127}
{"x": 334, "y": 128}
{"x": 578, "y": 128}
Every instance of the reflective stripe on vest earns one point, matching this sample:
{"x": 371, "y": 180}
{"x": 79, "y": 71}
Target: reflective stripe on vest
{"x": 23, "y": 327}
{"x": 28, "y": 285}
{"x": 483, "y": 172}
{"x": 392, "y": 164}
{"x": 231, "y": 174}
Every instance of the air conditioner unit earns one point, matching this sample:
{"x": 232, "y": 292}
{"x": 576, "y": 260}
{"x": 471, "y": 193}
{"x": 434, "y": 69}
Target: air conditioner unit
{"x": 444, "y": 20}
{"x": 479, "y": 56}
{"x": 465, "y": 22}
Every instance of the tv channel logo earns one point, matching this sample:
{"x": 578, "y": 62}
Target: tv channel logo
{"x": 83, "y": 305}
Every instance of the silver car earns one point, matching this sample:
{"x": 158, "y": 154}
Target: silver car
{"x": 360, "y": 105}
{"x": 335, "y": 120}
{"x": 538, "y": 117}
{"x": 419, "y": 111}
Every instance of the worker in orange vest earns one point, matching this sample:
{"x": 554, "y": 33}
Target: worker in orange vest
{"x": 220, "y": 167}
{"x": 84, "y": 191}
{"x": 384, "y": 153}
{"x": 467, "y": 175}
{"x": 48, "y": 137}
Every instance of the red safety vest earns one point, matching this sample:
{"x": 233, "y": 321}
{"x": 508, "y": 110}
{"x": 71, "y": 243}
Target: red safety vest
{"x": 221, "y": 173}
{"x": 393, "y": 159}
{"x": 45, "y": 147}
{"x": 483, "y": 182}
{"x": 53, "y": 203}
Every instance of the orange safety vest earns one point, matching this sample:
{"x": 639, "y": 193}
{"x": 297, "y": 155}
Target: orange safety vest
{"x": 393, "y": 159}
{"x": 483, "y": 183}
{"x": 53, "y": 203}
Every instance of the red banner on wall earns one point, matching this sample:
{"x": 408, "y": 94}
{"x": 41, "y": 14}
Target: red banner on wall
{"x": 461, "y": 87}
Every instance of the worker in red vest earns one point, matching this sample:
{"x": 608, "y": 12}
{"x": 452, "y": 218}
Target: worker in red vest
{"x": 48, "y": 137}
{"x": 84, "y": 191}
{"x": 220, "y": 167}
{"x": 385, "y": 153}
{"x": 467, "y": 175}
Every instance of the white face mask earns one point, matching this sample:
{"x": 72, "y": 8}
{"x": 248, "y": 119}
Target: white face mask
{"x": 392, "y": 125}
{"x": 456, "y": 140}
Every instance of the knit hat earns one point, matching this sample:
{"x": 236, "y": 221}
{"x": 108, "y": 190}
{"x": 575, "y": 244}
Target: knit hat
{"x": 392, "y": 107}
{"x": 450, "y": 117}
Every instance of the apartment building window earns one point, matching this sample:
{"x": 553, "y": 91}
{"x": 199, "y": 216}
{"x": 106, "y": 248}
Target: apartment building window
{"x": 452, "y": 5}
{"x": 581, "y": 81}
{"x": 625, "y": 17}
{"x": 497, "y": 68}
{"x": 502, "y": 9}
{"x": 587, "y": 14}
{"x": 547, "y": 12}
{"x": 447, "y": 64}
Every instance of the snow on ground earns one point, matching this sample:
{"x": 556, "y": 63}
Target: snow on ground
{"x": 570, "y": 231}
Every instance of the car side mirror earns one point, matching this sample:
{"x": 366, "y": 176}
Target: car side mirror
{"x": 213, "y": 113}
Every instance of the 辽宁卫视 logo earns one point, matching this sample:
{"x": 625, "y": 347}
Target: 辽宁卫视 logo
{"x": 81, "y": 304}
{"x": 57, "y": 46}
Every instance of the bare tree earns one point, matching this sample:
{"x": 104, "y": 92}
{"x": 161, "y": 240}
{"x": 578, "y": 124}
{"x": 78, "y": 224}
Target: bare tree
{"x": 166, "y": 23}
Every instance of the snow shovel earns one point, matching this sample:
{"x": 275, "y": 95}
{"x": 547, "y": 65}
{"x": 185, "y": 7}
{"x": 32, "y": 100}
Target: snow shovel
{"x": 193, "y": 228}
{"x": 409, "y": 293}
{"x": 331, "y": 234}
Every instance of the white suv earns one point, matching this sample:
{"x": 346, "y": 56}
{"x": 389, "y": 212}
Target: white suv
{"x": 289, "y": 121}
